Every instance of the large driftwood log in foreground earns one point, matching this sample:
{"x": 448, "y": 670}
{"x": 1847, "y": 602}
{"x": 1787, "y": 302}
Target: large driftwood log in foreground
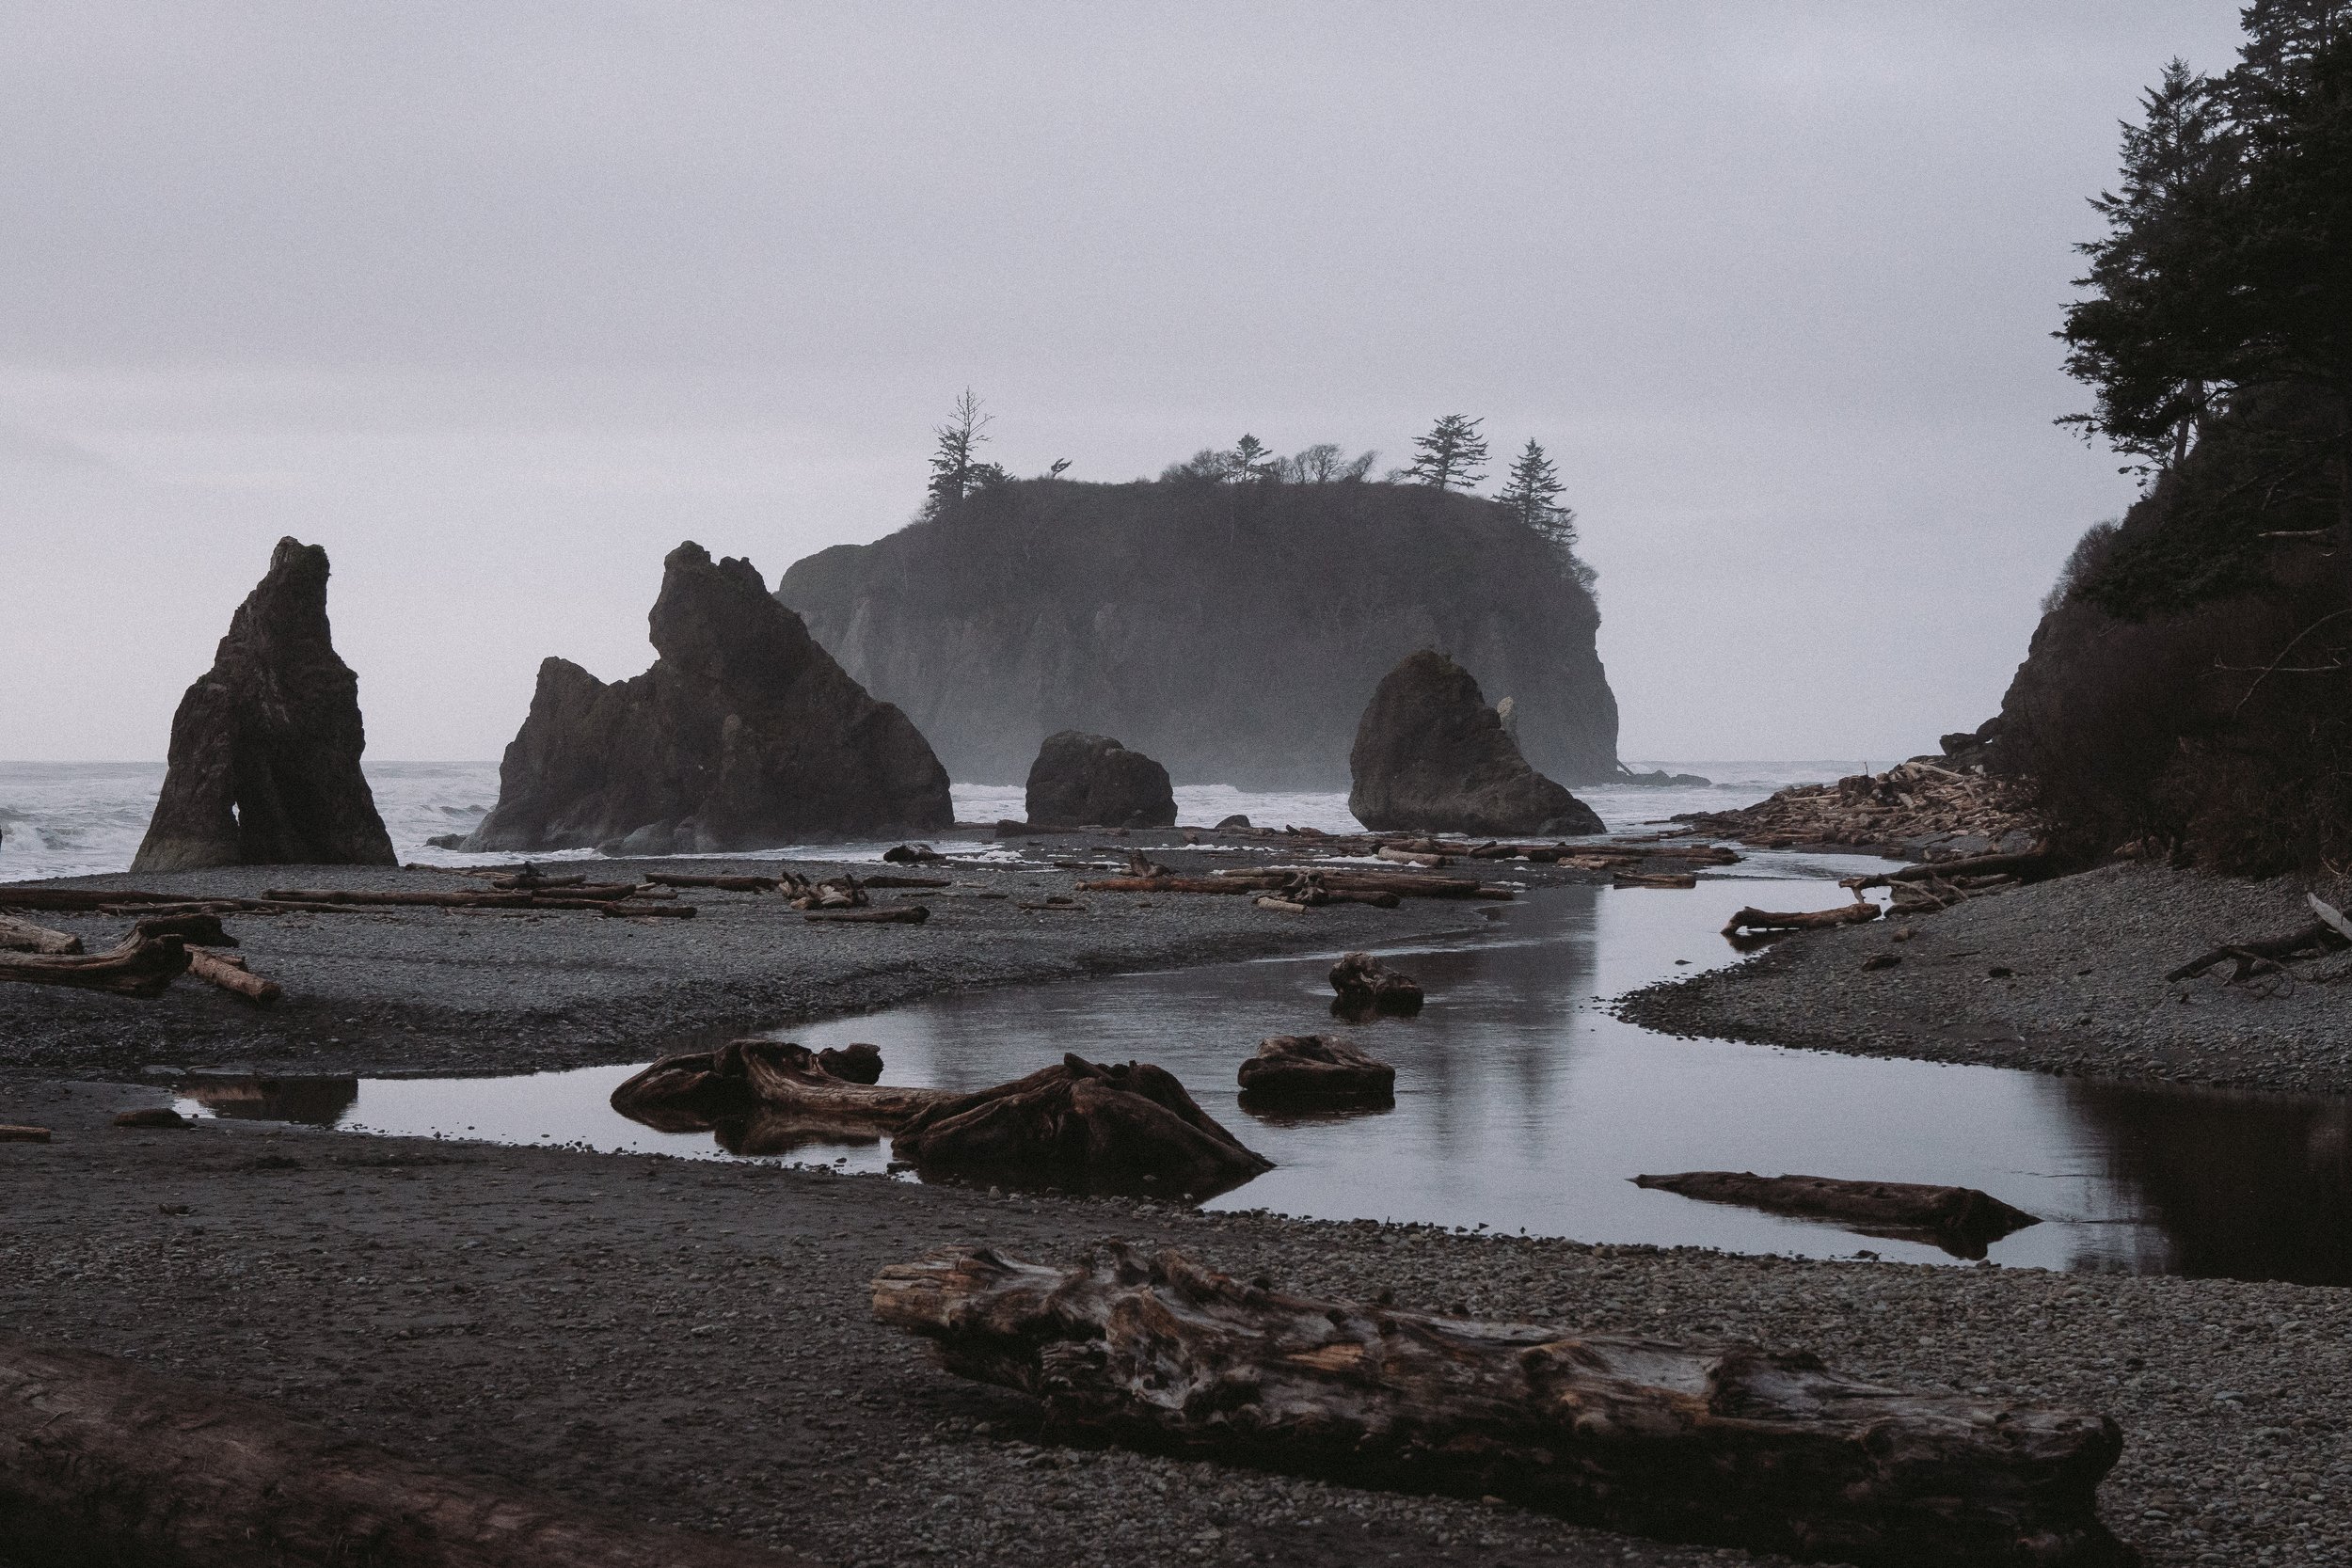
{"x": 1124, "y": 1129}
{"x": 22, "y": 936}
{"x": 1721, "y": 1442}
{"x": 1313, "y": 1068}
{"x": 101, "y": 1462}
{"x": 1961, "y": 1220}
{"x": 1856, "y": 913}
{"x": 143, "y": 965}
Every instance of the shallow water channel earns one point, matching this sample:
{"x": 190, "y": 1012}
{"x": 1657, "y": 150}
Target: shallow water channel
{"x": 1521, "y": 1104}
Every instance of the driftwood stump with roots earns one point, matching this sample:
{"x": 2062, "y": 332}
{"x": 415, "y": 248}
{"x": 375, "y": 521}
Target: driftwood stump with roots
{"x": 1720, "y": 1442}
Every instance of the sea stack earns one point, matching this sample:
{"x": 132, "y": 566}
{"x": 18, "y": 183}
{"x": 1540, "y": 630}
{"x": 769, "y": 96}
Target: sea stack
{"x": 1431, "y": 755}
{"x": 743, "y": 735}
{"x": 1092, "y": 780}
{"x": 264, "y": 762}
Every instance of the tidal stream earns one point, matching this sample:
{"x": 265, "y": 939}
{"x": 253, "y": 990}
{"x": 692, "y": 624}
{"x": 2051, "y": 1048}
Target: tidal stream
{"x": 1523, "y": 1105}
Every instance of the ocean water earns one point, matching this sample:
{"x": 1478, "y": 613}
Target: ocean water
{"x": 80, "y": 818}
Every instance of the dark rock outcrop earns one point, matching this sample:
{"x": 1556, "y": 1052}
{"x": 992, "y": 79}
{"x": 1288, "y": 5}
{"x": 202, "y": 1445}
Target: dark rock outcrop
{"x": 264, "y": 765}
{"x": 1431, "y": 755}
{"x": 1229, "y": 630}
{"x": 1092, "y": 781}
{"x": 744, "y": 734}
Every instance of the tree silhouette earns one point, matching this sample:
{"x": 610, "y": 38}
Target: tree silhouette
{"x": 1445, "y": 457}
{"x": 956, "y": 467}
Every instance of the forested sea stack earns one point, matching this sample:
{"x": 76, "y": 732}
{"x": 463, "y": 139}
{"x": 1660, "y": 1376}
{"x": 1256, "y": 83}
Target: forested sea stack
{"x": 1229, "y": 630}
{"x": 264, "y": 762}
{"x": 744, "y": 734}
{"x": 1431, "y": 755}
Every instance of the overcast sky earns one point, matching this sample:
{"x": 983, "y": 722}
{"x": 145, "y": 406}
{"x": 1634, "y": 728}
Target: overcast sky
{"x": 499, "y": 301}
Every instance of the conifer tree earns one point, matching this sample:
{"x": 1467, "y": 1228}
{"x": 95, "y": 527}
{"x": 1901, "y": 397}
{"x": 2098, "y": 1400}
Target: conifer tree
{"x": 957, "y": 469}
{"x": 1533, "y": 495}
{"x": 1251, "y": 459}
{"x": 1446, "y": 458}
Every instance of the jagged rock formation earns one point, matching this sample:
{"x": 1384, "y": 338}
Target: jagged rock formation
{"x": 1092, "y": 781}
{"x": 1431, "y": 755}
{"x": 1233, "y": 631}
{"x": 264, "y": 762}
{"x": 744, "y": 734}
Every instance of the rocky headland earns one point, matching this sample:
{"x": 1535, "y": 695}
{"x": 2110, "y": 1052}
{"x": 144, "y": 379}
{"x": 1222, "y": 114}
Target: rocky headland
{"x": 1232, "y": 631}
{"x": 744, "y": 734}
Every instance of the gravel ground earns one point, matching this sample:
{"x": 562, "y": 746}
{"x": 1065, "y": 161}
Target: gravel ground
{"x": 409, "y": 990}
{"x": 690, "y": 1342}
{"x": 2062, "y": 976}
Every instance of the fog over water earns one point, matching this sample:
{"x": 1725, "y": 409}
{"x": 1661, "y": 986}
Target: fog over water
{"x": 498, "y": 303}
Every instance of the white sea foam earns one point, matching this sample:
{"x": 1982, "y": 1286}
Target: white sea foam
{"x": 80, "y": 818}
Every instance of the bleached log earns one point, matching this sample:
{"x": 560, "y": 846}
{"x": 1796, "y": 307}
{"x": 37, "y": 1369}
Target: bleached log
{"x": 1721, "y": 1443}
{"x": 141, "y": 966}
{"x": 231, "y": 974}
{"x": 22, "y": 936}
{"x": 1856, "y": 913}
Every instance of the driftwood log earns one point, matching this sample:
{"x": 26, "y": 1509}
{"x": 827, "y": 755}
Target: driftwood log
{"x": 1084, "y": 1126}
{"x": 1856, "y": 913}
{"x": 887, "y": 881}
{"x": 228, "y": 971}
{"x": 899, "y": 914}
{"x": 2022, "y": 862}
{"x": 15, "y": 1135}
{"x": 22, "y": 936}
{"x": 700, "y": 1091}
{"x": 1313, "y": 1069}
{"x": 726, "y": 884}
{"x": 1360, "y": 978}
{"x": 2254, "y": 955}
{"x": 1654, "y": 879}
{"x": 101, "y": 1462}
{"x": 1721, "y": 1442}
{"x": 1963, "y": 1221}
{"x": 142, "y": 965}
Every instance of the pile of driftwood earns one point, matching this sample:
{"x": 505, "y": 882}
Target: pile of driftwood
{"x": 1128, "y": 1128}
{"x": 159, "y": 949}
{"x": 1911, "y": 800}
{"x": 1934, "y": 885}
{"x": 1723, "y": 1443}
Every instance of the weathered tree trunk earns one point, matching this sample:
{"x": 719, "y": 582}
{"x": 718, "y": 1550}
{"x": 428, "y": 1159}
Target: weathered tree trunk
{"x": 728, "y": 884}
{"x": 1309, "y": 1068}
{"x": 1168, "y": 885}
{"x": 141, "y": 966}
{"x": 1359, "y": 976}
{"x": 231, "y": 974}
{"x": 104, "y": 1462}
{"x": 1130, "y": 1127}
{"x": 1719, "y": 1443}
{"x": 1411, "y": 857}
{"x": 2036, "y": 859}
{"x": 2318, "y": 936}
{"x": 695, "y": 1092}
{"x": 571, "y": 898}
{"x": 1654, "y": 879}
{"x": 892, "y": 881}
{"x": 16, "y": 1134}
{"x": 897, "y": 914}
{"x": 1961, "y": 1220}
{"x": 21, "y": 897}
{"x": 22, "y": 936}
{"x": 1856, "y": 913}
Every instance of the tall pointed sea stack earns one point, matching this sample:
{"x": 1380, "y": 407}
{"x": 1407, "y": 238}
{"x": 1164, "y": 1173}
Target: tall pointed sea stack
{"x": 265, "y": 747}
{"x": 1431, "y": 755}
{"x": 744, "y": 734}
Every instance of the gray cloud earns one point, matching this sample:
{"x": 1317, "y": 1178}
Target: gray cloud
{"x": 501, "y": 301}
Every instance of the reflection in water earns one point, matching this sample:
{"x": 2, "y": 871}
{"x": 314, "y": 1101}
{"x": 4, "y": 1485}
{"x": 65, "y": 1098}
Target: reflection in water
{"x": 1521, "y": 1104}
{"x": 2242, "y": 1186}
{"x": 312, "y": 1101}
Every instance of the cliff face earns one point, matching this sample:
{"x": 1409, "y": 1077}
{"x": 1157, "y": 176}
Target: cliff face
{"x": 266, "y": 746}
{"x": 743, "y": 735}
{"x": 1234, "y": 632}
{"x": 2192, "y": 685}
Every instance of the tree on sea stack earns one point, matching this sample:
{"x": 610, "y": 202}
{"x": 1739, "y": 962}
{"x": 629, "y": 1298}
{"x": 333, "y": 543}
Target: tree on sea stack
{"x": 1445, "y": 457}
{"x": 1533, "y": 498}
{"x": 956, "y": 467}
